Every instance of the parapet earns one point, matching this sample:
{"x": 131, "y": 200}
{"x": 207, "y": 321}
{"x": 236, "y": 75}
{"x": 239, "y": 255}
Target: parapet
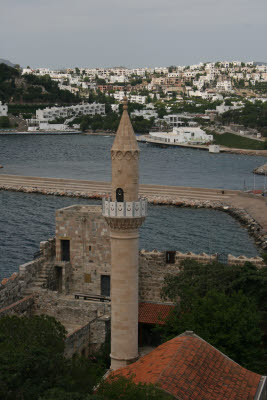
{"x": 178, "y": 256}
{"x": 241, "y": 260}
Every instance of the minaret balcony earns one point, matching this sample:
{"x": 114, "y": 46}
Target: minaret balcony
{"x": 125, "y": 209}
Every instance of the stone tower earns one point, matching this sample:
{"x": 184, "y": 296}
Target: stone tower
{"x": 124, "y": 213}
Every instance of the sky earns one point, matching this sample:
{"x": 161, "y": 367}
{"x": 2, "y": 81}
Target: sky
{"x": 138, "y": 33}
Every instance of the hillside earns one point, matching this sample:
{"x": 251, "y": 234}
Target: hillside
{"x": 7, "y": 62}
{"x": 30, "y": 89}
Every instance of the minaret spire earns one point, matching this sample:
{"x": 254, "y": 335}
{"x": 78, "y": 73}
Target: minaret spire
{"x": 125, "y": 137}
{"x": 124, "y": 212}
{"x": 125, "y": 160}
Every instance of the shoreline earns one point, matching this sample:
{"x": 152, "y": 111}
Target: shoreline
{"x": 240, "y": 214}
{"x": 223, "y": 149}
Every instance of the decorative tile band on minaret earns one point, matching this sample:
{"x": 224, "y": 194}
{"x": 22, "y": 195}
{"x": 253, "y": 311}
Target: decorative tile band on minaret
{"x": 124, "y": 212}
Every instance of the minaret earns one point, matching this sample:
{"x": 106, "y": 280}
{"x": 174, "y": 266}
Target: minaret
{"x": 124, "y": 213}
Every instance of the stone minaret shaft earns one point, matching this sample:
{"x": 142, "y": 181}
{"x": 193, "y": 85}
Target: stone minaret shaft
{"x": 124, "y": 213}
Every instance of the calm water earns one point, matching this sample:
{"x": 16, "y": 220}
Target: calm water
{"x": 27, "y": 219}
{"x": 88, "y": 157}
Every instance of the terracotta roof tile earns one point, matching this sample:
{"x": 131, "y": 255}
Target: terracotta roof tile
{"x": 152, "y": 313}
{"x": 191, "y": 369}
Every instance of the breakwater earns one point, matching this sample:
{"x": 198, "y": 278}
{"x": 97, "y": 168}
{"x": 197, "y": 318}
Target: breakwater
{"x": 215, "y": 199}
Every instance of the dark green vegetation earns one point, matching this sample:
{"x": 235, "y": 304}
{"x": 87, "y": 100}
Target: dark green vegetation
{"x": 111, "y": 121}
{"x": 197, "y": 106}
{"x": 252, "y": 115}
{"x": 238, "y": 142}
{"x": 17, "y": 88}
{"x": 225, "y": 305}
{"x": 5, "y": 123}
{"x": 33, "y": 366}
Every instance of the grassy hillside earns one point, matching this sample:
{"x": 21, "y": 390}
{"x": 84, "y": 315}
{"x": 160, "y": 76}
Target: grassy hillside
{"x": 29, "y": 89}
{"x": 238, "y": 142}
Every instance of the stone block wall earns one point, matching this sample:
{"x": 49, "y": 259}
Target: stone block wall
{"x": 88, "y": 234}
{"x": 24, "y": 307}
{"x": 67, "y": 309}
{"x": 12, "y": 289}
{"x": 89, "y": 338}
{"x": 153, "y": 268}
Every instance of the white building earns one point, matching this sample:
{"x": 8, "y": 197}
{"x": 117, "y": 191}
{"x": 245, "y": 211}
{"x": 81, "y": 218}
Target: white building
{"x": 146, "y": 114}
{"x": 173, "y": 120}
{"x": 224, "y": 85}
{"x": 132, "y": 98}
{"x": 49, "y": 114}
{"x": 182, "y": 135}
{"x": 3, "y": 109}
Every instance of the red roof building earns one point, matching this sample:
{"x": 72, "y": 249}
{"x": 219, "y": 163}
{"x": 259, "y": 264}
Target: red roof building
{"x": 153, "y": 313}
{"x": 189, "y": 368}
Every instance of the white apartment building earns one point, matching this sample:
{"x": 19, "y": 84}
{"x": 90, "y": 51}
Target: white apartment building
{"x": 49, "y": 114}
{"x": 173, "y": 120}
{"x": 3, "y": 109}
{"x": 131, "y": 97}
{"x": 118, "y": 78}
{"x": 146, "y": 114}
{"x": 183, "y": 135}
{"x": 224, "y": 85}
{"x": 161, "y": 70}
{"x": 138, "y": 71}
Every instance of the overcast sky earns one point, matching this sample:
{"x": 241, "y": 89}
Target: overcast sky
{"x": 102, "y": 33}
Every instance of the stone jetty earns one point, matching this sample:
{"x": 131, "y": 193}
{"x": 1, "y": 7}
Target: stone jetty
{"x": 249, "y": 210}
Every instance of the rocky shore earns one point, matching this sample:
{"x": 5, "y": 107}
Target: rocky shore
{"x": 262, "y": 170}
{"x": 240, "y": 214}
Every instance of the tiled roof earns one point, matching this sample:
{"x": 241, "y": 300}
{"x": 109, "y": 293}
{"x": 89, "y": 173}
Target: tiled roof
{"x": 152, "y": 313}
{"x": 189, "y": 368}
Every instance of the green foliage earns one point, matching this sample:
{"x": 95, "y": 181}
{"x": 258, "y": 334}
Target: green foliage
{"x": 261, "y": 87}
{"x": 4, "y": 122}
{"x": 221, "y": 277}
{"x": 31, "y": 356}
{"x": 111, "y": 120}
{"x": 228, "y": 322}
{"x": 32, "y": 361}
{"x": 121, "y": 388}
{"x": 61, "y": 394}
{"x": 30, "y": 88}
{"x": 197, "y": 106}
{"x": 238, "y": 142}
{"x": 223, "y": 304}
{"x": 142, "y": 125}
{"x": 252, "y": 115}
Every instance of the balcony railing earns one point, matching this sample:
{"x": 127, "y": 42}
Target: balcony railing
{"x": 128, "y": 209}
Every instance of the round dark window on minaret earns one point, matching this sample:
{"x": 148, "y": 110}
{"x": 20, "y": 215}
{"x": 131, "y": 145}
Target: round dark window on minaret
{"x": 119, "y": 195}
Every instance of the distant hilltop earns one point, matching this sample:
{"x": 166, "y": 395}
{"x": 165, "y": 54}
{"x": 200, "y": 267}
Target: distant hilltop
{"x": 7, "y": 62}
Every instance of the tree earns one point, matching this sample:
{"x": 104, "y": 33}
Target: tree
{"x": 32, "y": 361}
{"x": 230, "y": 323}
{"x": 226, "y": 278}
{"x": 4, "y": 122}
{"x": 31, "y": 356}
{"x": 223, "y": 304}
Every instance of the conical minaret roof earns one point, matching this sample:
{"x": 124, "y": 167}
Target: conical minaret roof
{"x": 125, "y": 139}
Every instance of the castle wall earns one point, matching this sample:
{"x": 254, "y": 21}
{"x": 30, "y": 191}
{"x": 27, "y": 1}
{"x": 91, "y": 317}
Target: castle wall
{"x": 24, "y": 307}
{"x": 87, "y": 232}
{"x": 241, "y": 260}
{"x": 13, "y": 289}
{"x": 153, "y": 268}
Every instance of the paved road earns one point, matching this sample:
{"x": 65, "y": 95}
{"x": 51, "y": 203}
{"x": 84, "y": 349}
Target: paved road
{"x": 91, "y": 187}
